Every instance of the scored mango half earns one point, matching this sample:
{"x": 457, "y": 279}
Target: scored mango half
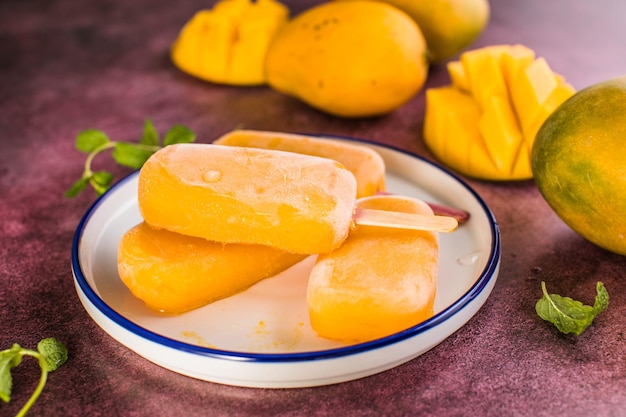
{"x": 484, "y": 123}
{"x": 228, "y": 43}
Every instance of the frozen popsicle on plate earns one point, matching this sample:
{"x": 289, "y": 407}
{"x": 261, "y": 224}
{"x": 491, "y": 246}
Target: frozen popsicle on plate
{"x": 174, "y": 273}
{"x": 365, "y": 163}
{"x": 294, "y": 202}
{"x": 380, "y": 281}
{"x": 298, "y": 203}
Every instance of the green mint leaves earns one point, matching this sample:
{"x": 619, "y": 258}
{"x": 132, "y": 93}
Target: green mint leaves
{"x": 568, "y": 315}
{"x": 128, "y": 154}
{"x": 50, "y": 353}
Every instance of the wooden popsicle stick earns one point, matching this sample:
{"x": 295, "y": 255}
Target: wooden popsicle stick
{"x": 460, "y": 215}
{"x": 410, "y": 221}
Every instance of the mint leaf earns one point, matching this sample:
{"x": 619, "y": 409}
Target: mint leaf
{"x": 602, "y": 299}
{"x": 77, "y": 187}
{"x": 100, "y": 181}
{"x": 568, "y": 315}
{"x": 9, "y": 359}
{"x": 131, "y": 155}
{"x": 50, "y": 354}
{"x": 91, "y": 139}
{"x": 179, "y": 134}
{"x": 54, "y": 352}
{"x": 150, "y": 135}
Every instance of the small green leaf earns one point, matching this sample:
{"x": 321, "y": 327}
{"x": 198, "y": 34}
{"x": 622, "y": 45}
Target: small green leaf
{"x": 91, "y": 139}
{"x": 53, "y": 351}
{"x": 9, "y": 359}
{"x": 602, "y": 299}
{"x": 130, "y": 154}
{"x": 150, "y": 135}
{"x": 101, "y": 181}
{"x": 77, "y": 187}
{"x": 568, "y": 315}
{"x": 179, "y": 134}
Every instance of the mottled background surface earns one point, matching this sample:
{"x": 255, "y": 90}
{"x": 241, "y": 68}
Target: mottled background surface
{"x": 67, "y": 65}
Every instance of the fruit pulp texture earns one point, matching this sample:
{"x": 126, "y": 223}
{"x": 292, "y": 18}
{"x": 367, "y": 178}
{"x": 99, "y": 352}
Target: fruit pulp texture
{"x": 297, "y": 203}
{"x": 365, "y": 163}
{"x": 173, "y": 273}
{"x": 502, "y": 93}
{"x": 380, "y": 281}
{"x": 227, "y": 44}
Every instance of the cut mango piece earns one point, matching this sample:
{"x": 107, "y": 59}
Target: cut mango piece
{"x": 559, "y": 94}
{"x": 515, "y": 59}
{"x": 228, "y": 43}
{"x": 457, "y": 76}
{"x": 482, "y": 68}
{"x": 452, "y": 114}
{"x": 483, "y": 125}
{"x": 500, "y": 132}
{"x": 530, "y": 90}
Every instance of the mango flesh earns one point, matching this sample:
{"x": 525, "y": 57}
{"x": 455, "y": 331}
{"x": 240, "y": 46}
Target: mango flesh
{"x": 361, "y": 291}
{"x": 366, "y": 164}
{"x": 351, "y": 59}
{"x": 228, "y": 44}
{"x": 498, "y": 98}
{"x": 173, "y": 273}
{"x": 298, "y": 203}
{"x": 579, "y": 164}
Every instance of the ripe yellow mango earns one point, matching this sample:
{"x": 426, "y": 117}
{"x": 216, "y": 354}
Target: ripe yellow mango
{"x": 228, "y": 44}
{"x": 350, "y": 59}
{"x": 498, "y": 99}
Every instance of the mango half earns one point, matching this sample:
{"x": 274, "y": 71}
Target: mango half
{"x": 483, "y": 125}
{"x": 227, "y": 44}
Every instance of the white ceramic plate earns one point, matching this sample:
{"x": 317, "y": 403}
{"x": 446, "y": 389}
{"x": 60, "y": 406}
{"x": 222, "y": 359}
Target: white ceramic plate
{"x": 262, "y": 336}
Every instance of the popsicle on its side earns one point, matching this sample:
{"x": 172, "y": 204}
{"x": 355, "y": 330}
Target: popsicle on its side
{"x": 174, "y": 273}
{"x": 365, "y": 163}
{"x": 361, "y": 292}
{"x": 294, "y": 202}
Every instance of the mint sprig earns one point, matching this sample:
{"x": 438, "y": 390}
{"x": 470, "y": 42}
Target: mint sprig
{"x": 129, "y": 154}
{"x": 50, "y": 353}
{"x": 568, "y": 315}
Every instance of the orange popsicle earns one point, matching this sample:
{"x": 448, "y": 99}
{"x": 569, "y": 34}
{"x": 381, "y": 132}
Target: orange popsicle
{"x": 380, "y": 281}
{"x": 294, "y": 202}
{"x": 174, "y": 273}
{"x": 365, "y": 163}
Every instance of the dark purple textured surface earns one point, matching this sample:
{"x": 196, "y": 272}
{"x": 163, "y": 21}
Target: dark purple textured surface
{"x": 68, "y": 65}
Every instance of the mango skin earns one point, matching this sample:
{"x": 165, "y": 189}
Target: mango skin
{"x": 449, "y": 26}
{"x": 350, "y": 59}
{"x": 578, "y": 161}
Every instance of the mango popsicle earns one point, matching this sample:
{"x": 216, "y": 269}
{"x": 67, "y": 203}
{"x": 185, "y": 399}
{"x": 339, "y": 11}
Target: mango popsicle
{"x": 380, "y": 281}
{"x": 174, "y": 273}
{"x": 294, "y": 202}
{"x": 365, "y": 163}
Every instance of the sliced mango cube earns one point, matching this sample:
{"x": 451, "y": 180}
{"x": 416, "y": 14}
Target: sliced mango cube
{"x": 457, "y": 76}
{"x": 482, "y": 68}
{"x": 484, "y": 123}
{"x": 228, "y": 44}
{"x": 500, "y": 131}
{"x": 530, "y": 90}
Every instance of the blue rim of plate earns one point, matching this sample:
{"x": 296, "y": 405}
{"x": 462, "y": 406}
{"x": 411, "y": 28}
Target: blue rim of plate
{"x": 473, "y": 292}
